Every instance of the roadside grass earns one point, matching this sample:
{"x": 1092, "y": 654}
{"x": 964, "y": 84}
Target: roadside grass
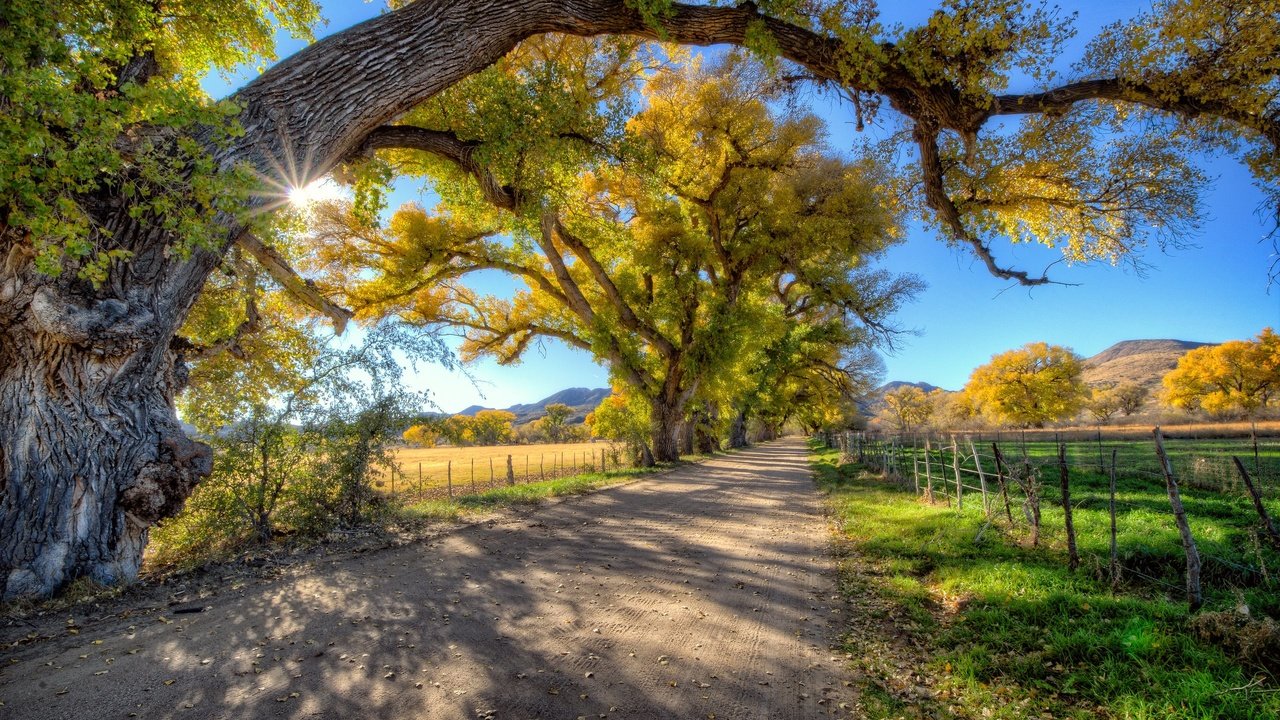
{"x": 993, "y": 629}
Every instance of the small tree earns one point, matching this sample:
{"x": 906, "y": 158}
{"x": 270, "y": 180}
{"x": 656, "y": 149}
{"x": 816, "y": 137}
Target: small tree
{"x": 492, "y": 427}
{"x": 424, "y": 435}
{"x": 1103, "y": 403}
{"x": 906, "y": 408}
{"x": 554, "y": 422}
{"x": 1236, "y": 377}
{"x": 1030, "y": 386}
{"x": 623, "y": 418}
{"x": 1131, "y": 397}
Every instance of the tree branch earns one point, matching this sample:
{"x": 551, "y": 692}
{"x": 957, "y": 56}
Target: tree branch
{"x": 299, "y": 287}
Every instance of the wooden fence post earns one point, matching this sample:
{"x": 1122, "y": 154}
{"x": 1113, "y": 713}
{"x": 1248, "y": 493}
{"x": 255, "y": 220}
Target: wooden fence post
{"x": 928, "y": 474}
{"x": 1257, "y": 503}
{"x": 511, "y": 475}
{"x": 1115, "y": 558}
{"x": 419, "y": 477}
{"x": 955, "y": 465}
{"x": 1194, "y": 596}
{"x": 526, "y": 468}
{"x": 490, "y": 469}
{"x": 915, "y": 471}
{"x": 982, "y": 478}
{"x": 473, "y": 474}
{"x": 1102, "y": 469}
{"x": 1004, "y": 489}
{"x": 448, "y": 478}
{"x": 1064, "y": 475}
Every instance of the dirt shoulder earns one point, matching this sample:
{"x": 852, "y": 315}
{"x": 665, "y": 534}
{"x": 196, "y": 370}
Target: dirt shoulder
{"x": 706, "y": 592}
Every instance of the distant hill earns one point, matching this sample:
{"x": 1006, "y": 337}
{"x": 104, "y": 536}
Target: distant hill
{"x": 895, "y": 384}
{"x": 582, "y": 400}
{"x": 1143, "y": 362}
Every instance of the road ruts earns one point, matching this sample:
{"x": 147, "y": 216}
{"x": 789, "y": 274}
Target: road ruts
{"x": 703, "y": 593}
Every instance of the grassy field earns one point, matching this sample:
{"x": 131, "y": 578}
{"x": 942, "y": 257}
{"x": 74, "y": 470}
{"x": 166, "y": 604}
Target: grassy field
{"x": 528, "y": 493}
{"x": 996, "y": 628}
{"x": 427, "y": 470}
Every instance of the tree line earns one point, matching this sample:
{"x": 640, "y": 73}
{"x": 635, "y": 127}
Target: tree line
{"x": 1039, "y": 384}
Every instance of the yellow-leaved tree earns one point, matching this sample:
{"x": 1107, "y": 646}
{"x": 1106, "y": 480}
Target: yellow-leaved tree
{"x": 1239, "y": 377}
{"x": 1030, "y": 386}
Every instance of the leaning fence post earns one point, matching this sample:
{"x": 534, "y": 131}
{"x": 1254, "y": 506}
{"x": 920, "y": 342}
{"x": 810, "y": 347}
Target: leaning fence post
{"x": 1257, "y": 503}
{"x": 928, "y": 474}
{"x": 1115, "y": 559}
{"x": 982, "y": 478}
{"x": 1004, "y": 489}
{"x": 1073, "y": 557}
{"x": 955, "y": 465}
{"x": 1194, "y": 597}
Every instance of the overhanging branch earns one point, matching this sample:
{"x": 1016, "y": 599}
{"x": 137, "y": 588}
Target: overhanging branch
{"x": 299, "y": 287}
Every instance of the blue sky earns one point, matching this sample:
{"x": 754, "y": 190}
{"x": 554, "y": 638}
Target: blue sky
{"x": 1215, "y": 291}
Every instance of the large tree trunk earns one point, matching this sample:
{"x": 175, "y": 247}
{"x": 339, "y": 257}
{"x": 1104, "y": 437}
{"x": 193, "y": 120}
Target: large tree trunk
{"x": 91, "y": 452}
{"x": 663, "y": 421}
{"x": 705, "y": 440}
{"x": 738, "y": 430}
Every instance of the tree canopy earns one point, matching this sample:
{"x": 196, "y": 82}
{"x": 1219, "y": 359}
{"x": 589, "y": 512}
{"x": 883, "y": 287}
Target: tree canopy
{"x": 1237, "y": 376}
{"x": 1029, "y": 386}
{"x": 123, "y": 188}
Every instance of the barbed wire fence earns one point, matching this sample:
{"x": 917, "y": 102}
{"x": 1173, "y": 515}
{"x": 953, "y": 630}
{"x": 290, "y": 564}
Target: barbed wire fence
{"x": 447, "y": 478}
{"x": 1009, "y": 478}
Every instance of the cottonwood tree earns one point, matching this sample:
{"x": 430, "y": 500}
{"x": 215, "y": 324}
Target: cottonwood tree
{"x": 1237, "y": 376}
{"x": 907, "y": 408}
{"x": 1030, "y": 386}
{"x": 554, "y": 422}
{"x": 665, "y": 258}
{"x": 117, "y": 180}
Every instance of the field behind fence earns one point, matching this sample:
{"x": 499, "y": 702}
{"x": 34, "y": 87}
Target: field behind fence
{"x": 441, "y": 472}
{"x": 1191, "y": 517}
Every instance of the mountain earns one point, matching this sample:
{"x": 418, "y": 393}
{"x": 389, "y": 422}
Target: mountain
{"x": 1143, "y": 362}
{"x": 895, "y": 384}
{"x": 582, "y": 400}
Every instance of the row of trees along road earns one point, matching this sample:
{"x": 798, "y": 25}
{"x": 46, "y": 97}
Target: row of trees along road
{"x": 1040, "y": 383}
{"x": 683, "y": 244}
{"x": 123, "y": 189}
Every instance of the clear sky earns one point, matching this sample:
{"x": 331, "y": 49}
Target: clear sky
{"x": 1215, "y": 291}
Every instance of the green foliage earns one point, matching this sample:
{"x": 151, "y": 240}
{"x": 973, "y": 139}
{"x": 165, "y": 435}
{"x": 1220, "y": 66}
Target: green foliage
{"x": 623, "y": 418}
{"x": 491, "y": 427}
{"x": 104, "y": 97}
{"x": 301, "y": 462}
{"x": 553, "y": 423}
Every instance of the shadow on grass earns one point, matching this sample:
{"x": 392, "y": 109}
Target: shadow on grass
{"x": 1007, "y": 631}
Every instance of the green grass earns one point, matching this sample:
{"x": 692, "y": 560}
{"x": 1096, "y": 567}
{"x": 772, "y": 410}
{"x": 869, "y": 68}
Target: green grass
{"x": 1011, "y": 633}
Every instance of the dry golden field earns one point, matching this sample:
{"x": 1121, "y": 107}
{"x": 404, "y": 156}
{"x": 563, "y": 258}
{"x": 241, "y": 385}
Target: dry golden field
{"x": 431, "y": 470}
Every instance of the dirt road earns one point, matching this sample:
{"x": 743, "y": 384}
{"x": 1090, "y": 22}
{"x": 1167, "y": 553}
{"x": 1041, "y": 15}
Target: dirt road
{"x": 703, "y": 593}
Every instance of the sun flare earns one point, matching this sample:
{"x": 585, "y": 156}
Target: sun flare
{"x": 321, "y": 190}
